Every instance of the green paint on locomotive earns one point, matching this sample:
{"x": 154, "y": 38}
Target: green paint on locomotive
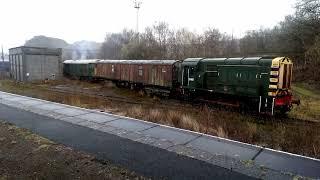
{"x": 248, "y": 77}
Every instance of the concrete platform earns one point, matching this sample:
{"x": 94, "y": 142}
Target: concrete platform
{"x": 97, "y": 117}
{"x": 225, "y": 148}
{"x": 251, "y": 160}
{"x": 173, "y": 135}
{"x": 130, "y": 124}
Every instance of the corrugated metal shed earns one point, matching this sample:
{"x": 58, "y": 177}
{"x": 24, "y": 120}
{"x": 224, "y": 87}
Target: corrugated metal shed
{"x": 35, "y": 63}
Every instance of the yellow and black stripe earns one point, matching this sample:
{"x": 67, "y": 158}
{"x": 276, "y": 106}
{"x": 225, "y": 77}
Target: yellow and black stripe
{"x": 280, "y": 75}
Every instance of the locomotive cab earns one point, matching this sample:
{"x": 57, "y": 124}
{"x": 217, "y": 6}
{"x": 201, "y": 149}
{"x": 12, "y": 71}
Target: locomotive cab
{"x": 189, "y": 73}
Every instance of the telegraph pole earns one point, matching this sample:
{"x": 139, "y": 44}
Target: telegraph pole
{"x": 2, "y": 55}
{"x": 137, "y": 5}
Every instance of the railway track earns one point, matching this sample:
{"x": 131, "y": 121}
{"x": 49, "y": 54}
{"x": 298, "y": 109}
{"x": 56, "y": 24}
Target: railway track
{"x": 176, "y": 104}
{"x": 160, "y": 104}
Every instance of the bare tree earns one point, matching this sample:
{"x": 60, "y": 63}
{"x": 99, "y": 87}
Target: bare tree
{"x": 296, "y": 36}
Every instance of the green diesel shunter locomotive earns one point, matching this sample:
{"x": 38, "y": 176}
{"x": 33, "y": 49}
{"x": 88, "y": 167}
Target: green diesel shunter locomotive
{"x": 260, "y": 83}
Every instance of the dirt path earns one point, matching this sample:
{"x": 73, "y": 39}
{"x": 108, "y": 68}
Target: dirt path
{"x": 24, "y": 155}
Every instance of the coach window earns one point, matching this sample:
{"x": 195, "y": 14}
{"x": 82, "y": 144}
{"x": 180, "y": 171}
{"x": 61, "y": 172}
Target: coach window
{"x": 140, "y": 70}
{"x": 112, "y": 68}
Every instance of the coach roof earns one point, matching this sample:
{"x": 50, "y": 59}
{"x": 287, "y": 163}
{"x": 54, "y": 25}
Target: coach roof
{"x": 138, "y": 61}
{"x": 86, "y": 61}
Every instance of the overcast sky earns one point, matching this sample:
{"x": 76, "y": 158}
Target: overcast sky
{"x": 74, "y": 20}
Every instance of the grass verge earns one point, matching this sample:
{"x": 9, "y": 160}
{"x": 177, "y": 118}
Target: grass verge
{"x": 309, "y": 108}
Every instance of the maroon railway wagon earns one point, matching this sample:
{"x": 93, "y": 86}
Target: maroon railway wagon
{"x": 161, "y": 75}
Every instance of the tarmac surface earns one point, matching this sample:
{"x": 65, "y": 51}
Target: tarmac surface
{"x": 151, "y": 149}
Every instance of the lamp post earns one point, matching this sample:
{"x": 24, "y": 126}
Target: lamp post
{"x": 137, "y": 5}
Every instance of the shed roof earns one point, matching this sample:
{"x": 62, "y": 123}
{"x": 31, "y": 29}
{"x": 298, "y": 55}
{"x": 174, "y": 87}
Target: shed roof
{"x": 35, "y": 50}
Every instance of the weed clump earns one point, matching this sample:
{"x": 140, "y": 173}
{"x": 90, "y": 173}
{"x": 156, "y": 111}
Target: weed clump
{"x": 190, "y": 123}
{"x": 135, "y": 111}
{"x": 155, "y": 115}
{"x": 174, "y": 118}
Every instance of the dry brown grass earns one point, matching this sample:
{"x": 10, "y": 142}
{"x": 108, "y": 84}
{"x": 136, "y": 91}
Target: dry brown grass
{"x": 209, "y": 121}
{"x": 182, "y": 120}
{"x": 173, "y": 118}
{"x": 135, "y": 111}
{"x": 155, "y": 115}
{"x": 190, "y": 123}
{"x": 309, "y": 109}
{"x": 221, "y": 132}
{"x": 75, "y": 102}
{"x": 170, "y": 117}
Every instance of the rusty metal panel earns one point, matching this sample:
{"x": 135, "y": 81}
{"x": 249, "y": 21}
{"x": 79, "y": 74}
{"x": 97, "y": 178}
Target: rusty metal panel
{"x": 134, "y": 73}
{"x": 104, "y": 71}
{"x": 99, "y": 70}
{"x": 108, "y": 71}
{"x": 131, "y": 71}
{"x": 117, "y": 71}
{"x": 125, "y": 72}
{"x": 158, "y": 74}
{"x": 150, "y": 75}
{"x": 122, "y": 74}
{"x": 144, "y": 77}
{"x": 136, "y": 76}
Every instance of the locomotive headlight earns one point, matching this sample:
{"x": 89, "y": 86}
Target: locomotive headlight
{"x": 273, "y": 86}
{"x": 274, "y": 73}
{"x": 272, "y": 93}
{"x": 273, "y": 79}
